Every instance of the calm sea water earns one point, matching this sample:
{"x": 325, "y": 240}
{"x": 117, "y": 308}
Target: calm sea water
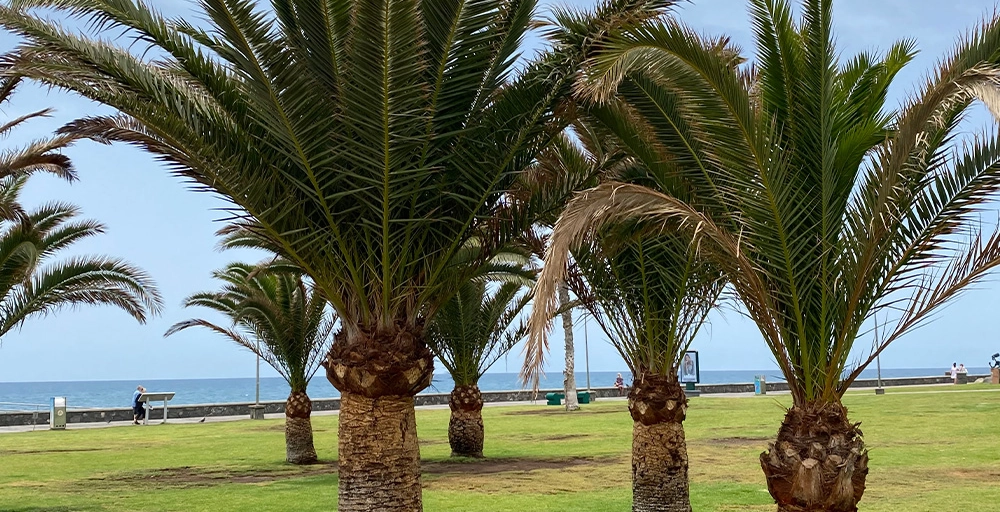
{"x": 205, "y": 391}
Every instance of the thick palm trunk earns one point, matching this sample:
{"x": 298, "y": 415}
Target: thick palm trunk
{"x": 378, "y": 375}
{"x": 659, "y": 451}
{"x": 818, "y": 462}
{"x": 465, "y": 428}
{"x": 569, "y": 375}
{"x": 299, "y": 448}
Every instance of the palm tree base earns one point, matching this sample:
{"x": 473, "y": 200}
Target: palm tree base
{"x": 659, "y": 450}
{"x": 818, "y": 461}
{"x": 465, "y": 428}
{"x": 379, "y": 455}
{"x": 299, "y": 448}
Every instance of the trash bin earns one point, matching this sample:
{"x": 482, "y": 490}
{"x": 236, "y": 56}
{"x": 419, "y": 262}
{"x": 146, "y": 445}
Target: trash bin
{"x": 57, "y": 415}
{"x": 759, "y": 385}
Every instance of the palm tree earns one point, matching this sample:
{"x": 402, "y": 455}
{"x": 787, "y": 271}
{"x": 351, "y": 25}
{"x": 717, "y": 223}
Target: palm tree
{"x": 364, "y": 138}
{"x": 650, "y": 294}
{"x": 286, "y": 322}
{"x": 470, "y": 332}
{"x": 31, "y": 285}
{"x": 828, "y": 211}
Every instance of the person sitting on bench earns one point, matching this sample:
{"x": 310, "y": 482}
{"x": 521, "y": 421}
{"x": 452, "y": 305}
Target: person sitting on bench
{"x": 137, "y": 407}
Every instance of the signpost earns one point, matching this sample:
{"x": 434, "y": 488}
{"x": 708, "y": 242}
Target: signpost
{"x": 690, "y": 372}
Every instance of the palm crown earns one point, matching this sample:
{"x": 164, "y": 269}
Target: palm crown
{"x": 477, "y": 326}
{"x": 273, "y": 313}
{"x": 826, "y": 210}
{"x": 366, "y": 139}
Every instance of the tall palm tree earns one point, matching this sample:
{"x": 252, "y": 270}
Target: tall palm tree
{"x": 473, "y": 330}
{"x": 278, "y": 316}
{"x": 650, "y": 294}
{"x": 31, "y": 285}
{"x": 827, "y": 210}
{"x": 364, "y": 138}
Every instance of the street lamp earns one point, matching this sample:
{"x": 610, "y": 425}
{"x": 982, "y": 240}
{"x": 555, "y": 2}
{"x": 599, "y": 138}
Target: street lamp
{"x": 878, "y": 365}
{"x": 586, "y": 350}
{"x": 257, "y": 410}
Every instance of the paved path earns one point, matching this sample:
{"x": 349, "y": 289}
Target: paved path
{"x": 216, "y": 419}
{"x": 540, "y": 403}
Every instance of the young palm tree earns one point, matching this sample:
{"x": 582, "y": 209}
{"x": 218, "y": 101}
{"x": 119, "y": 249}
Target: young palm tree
{"x": 650, "y": 295}
{"x": 828, "y": 211}
{"x": 285, "y": 321}
{"x": 31, "y": 285}
{"x": 364, "y": 138}
{"x": 468, "y": 334}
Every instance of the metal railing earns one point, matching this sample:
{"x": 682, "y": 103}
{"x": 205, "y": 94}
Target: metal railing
{"x": 34, "y": 409}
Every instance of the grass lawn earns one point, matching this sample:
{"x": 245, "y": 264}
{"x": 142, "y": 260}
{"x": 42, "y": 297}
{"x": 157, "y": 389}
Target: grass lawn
{"x": 935, "y": 448}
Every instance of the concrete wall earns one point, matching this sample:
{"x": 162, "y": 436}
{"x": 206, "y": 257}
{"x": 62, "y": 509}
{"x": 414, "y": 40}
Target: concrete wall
{"x": 332, "y": 404}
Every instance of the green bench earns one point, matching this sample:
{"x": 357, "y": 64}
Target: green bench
{"x": 582, "y": 397}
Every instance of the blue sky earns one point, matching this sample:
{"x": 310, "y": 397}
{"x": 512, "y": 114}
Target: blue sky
{"x": 156, "y": 223}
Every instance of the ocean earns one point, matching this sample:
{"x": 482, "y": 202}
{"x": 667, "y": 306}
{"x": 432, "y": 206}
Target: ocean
{"x": 32, "y": 395}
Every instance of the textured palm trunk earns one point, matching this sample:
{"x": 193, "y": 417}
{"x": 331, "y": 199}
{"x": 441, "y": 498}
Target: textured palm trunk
{"x": 818, "y": 461}
{"x": 465, "y": 428}
{"x": 299, "y": 448}
{"x": 378, "y": 375}
{"x": 659, "y": 451}
{"x": 569, "y": 375}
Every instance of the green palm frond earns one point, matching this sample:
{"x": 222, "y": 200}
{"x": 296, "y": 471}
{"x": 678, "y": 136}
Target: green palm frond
{"x": 80, "y": 281}
{"x": 16, "y": 164}
{"x": 32, "y": 285}
{"x": 477, "y": 327}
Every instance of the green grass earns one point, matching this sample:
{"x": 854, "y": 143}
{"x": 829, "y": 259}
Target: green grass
{"x": 932, "y": 448}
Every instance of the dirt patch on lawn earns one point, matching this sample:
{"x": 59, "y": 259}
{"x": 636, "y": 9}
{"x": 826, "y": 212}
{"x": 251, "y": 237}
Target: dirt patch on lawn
{"x": 493, "y": 466}
{"x": 565, "y": 437}
{"x": 189, "y": 476}
{"x": 53, "y": 450}
{"x": 524, "y": 475}
{"x": 987, "y": 475}
{"x": 735, "y": 442}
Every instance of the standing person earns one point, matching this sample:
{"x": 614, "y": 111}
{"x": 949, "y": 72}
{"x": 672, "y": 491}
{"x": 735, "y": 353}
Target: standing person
{"x": 620, "y": 384}
{"x": 137, "y": 409}
{"x": 954, "y": 373}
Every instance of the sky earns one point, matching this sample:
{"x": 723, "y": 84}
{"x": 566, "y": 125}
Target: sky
{"x": 156, "y": 222}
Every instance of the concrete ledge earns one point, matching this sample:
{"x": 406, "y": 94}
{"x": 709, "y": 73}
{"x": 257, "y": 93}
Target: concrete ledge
{"x": 9, "y": 419}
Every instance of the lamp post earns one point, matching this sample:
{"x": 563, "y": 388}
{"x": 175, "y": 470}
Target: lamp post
{"x": 586, "y": 351}
{"x": 878, "y": 366}
{"x": 257, "y": 410}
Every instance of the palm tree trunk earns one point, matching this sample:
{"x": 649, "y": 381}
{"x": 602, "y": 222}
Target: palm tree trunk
{"x": 569, "y": 377}
{"x": 659, "y": 451}
{"x": 378, "y": 374}
{"x": 379, "y": 455}
{"x": 299, "y": 447}
{"x": 818, "y": 462}
{"x": 465, "y": 429}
